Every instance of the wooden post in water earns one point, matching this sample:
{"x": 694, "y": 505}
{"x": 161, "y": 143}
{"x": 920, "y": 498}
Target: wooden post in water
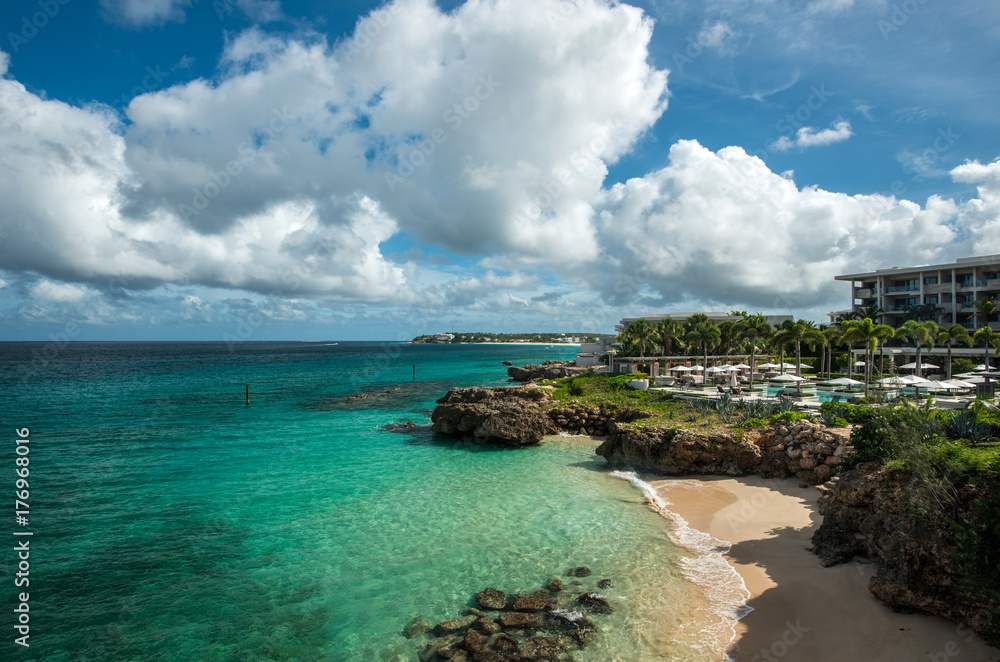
{"x": 248, "y": 394}
{"x": 414, "y": 370}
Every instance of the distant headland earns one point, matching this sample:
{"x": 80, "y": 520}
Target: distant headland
{"x": 482, "y": 337}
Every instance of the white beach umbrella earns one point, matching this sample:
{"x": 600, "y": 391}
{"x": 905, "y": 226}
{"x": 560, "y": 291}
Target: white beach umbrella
{"x": 716, "y": 369}
{"x": 956, "y": 384}
{"x": 741, "y": 366}
{"x": 697, "y": 368}
{"x": 859, "y": 364}
{"x": 767, "y": 366}
{"x": 982, "y": 366}
{"x": 786, "y": 365}
{"x": 923, "y": 366}
{"x": 894, "y": 381}
{"x": 844, "y": 381}
{"x": 681, "y": 368}
{"x": 787, "y": 378}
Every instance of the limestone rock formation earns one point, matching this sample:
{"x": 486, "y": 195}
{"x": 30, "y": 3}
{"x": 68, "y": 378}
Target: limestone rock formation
{"x": 876, "y": 513}
{"x": 504, "y": 416}
{"x": 547, "y": 370}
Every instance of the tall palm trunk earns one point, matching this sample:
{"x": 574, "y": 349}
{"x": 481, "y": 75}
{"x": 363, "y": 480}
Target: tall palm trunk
{"x": 704, "y": 347}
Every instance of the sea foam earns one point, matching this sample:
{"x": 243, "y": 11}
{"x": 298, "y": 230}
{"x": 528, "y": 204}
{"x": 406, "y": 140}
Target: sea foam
{"x": 725, "y": 589}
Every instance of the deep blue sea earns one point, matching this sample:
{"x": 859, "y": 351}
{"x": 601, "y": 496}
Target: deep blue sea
{"x": 172, "y": 521}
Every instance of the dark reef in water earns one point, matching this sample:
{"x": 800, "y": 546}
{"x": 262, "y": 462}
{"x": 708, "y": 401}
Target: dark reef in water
{"x": 529, "y": 626}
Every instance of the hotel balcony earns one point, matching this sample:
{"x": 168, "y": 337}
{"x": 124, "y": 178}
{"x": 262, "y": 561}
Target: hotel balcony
{"x": 903, "y": 288}
{"x": 864, "y": 293}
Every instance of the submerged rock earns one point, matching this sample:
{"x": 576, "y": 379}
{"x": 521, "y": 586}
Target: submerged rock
{"x": 521, "y": 619}
{"x": 531, "y": 604}
{"x": 486, "y": 625}
{"x": 491, "y": 598}
{"x": 554, "y": 585}
{"x": 542, "y": 648}
{"x": 454, "y": 625}
{"x": 417, "y": 627}
{"x": 595, "y": 602}
{"x": 605, "y": 583}
{"x": 472, "y": 641}
{"x": 579, "y": 571}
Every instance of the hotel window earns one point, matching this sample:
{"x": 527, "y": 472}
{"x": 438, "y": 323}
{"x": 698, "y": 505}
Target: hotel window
{"x": 931, "y": 280}
{"x": 931, "y": 299}
{"x": 965, "y": 280}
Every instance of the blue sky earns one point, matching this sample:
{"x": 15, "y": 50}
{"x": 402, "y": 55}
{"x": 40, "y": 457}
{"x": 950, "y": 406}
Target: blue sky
{"x": 270, "y": 169}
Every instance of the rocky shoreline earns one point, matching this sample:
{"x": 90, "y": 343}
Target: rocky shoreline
{"x": 867, "y": 511}
{"x": 523, "y": 416}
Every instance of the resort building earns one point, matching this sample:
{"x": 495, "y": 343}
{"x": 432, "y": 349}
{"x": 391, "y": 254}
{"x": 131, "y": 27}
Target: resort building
{"x": 942, "y": 292}
{"x": 773, "y": 320}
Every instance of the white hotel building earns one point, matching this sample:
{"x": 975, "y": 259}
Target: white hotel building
{"x": 951, "y": 288}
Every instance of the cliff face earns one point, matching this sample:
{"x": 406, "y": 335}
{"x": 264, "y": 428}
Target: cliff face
{"x": 876, "y": 513}
{"x": 805, "y": 450}
{"x": 675, "y": 451}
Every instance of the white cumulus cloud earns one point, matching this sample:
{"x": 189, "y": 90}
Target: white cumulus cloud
{"x": 808, "y": 136}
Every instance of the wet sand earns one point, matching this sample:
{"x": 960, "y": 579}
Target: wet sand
{"x": 803, "y": 611}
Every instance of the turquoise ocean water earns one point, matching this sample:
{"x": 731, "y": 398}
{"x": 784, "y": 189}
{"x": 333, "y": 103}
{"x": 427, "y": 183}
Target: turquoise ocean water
{"x": 171, "y": 521}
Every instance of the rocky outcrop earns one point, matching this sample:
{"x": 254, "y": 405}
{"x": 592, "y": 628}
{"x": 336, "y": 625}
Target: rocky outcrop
{"x": 536, "y": 625}
{"x": 504, "y": 416}
{"x": 883, "y": 515}
{"x": 582, "y": 420}
{"x": 547, "y": 370}
{"x": 806, "y": 450}
{"x": 676, "y": 451}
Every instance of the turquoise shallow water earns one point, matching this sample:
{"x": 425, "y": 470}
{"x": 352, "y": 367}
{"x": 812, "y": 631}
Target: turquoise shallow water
{"x": 173, "y": 522}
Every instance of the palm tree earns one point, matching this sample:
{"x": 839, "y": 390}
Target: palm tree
{"x": 638, "y": 333}
{"x": 984, "y": 309}
{"x": 988, "y": 337}
{"x": 794, "y": 334}
{"x": 871, "y": 334}
{"x": 822, "y": 341}
{"x": 705, "y": 333}
{"x": 953, "y": 334}
{"x": 729, "y": 335}
{"x": 754, "y": 328}
{"x": 668, "y": 332}
{"x": 871, "y": 311}
{"x": 780, "y": 342}
{"x": 921, "y": 333}
{"x": 833, "y": 335}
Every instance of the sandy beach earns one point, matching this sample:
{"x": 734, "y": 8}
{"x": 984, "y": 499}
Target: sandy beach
{"x": 803, "y": 611}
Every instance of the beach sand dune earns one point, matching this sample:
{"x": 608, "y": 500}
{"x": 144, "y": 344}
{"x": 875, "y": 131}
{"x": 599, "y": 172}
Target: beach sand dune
{"x": 803, "y": 611}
